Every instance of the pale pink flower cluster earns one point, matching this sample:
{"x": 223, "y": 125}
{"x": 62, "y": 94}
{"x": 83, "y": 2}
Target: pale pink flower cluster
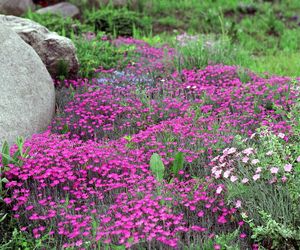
{"x": 288, "y": 168}
{"x": 256, "y": 177}
{"x": 274, "y": 170}
{"x": 248, "y": 151}
{"x": 255, "y": 161}
{"x": 228, "y": 151}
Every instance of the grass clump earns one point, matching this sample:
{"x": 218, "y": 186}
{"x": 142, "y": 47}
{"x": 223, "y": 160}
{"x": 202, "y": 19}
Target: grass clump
{"x": 208, "y": 50}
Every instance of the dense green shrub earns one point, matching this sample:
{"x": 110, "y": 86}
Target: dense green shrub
{"x": 96, "y": 53}
{"x": 119, "y": 22}
{"x": 209, "y": 50}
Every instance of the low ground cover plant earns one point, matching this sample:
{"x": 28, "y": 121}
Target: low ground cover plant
{"x": 133, "y": 165}
{"x": 161, "y": 147}
{"x": 262, "y": 181}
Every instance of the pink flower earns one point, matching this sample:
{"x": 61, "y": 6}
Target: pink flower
{"x": 281, "y": 135}
{"x": 219, "y": 190}
{"x": 218, "y": 173}
{"x": 256, "y": 177}
{"x": 248, "y": 151}
{"x": 298, "y": 159}
{"x": 245, "y": 180}
{"x": 231, "y": 151}
{"x": 288, "y": 168}
{"x": 29, "y": 208}
{"x": 284, "y": 179}
{"x": 269, "y": 153}
{"x": 258, "y": 170}
{"x": 274, "y": 170}
{"x": 7, "y": 200}
{"x": 243, "y": 235}
{"x": 78, "y": 243}
{"x": 212, "y": 235}
{"x": 233, "y": 178}
{"x": 273, "y": 180}
{"x": 217, "y": 247}
{"x": 238, "y": 204}
{"x": 255, "y": 161}
{"x": 225, "y": 151}
{"x": 192, "y": 208}
{"x": 245, "y": 159}
{"x": 216, "y": 158}
{"x": 106, "y": 220}
{"x": 226, "y": 174}
{"x": 197, "y": 228}
{"x": 36, "y": 236}
{"x": 222, "y": 220}
{"x": 181, "y": 172}
{"x": 200, "y": 213}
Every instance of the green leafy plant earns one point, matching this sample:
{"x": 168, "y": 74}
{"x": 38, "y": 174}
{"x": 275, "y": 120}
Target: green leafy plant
{"x": 5, "y": 154}
{"x": 65, "y": 129}
{"x": 272, "y": 234}
{"x": 130, "y": 144}
{"x": 228, "y": 241}
{"x": 24, "y": 241}
{"x": 3, "y": 168}
{"x": 157, "y": 166}
{"x": 16, "y": 158}
{"x": 7, "y": 159}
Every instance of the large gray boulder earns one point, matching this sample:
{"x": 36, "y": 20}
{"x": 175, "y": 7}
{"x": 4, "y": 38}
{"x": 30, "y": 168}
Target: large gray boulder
{"x": 54, "y": 50}
{"x": 64, "y": 9}
{"x": 15, "y": 7}
{"x": 27, "y": 95}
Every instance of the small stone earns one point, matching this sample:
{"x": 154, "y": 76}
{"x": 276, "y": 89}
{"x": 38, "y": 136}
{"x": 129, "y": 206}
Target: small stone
{"x": 15, "y": 7}
{"x": 64, "y": 9}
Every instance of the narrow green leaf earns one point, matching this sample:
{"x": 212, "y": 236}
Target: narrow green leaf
{"x": 178, "y": 163}
{"x": 16, "y": 155}
{"x": 4, "y": 180}
{"x": 5, "y": 154}
{"x": 26, "y": 152}
{"x": 20, "y": 143}
{"x": 65, "y": 129}
{"x": 3, "y": 217}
